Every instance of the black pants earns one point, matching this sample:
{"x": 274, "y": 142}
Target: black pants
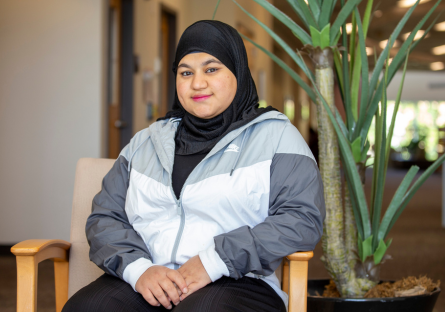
{"x": 111, "y": 294}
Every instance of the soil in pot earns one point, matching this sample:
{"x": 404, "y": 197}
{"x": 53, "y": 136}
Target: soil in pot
{"x": 409, "y": 286}
{"x": 414, "y": 303}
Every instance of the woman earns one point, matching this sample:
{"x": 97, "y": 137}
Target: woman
{"x": 200, "y": 208}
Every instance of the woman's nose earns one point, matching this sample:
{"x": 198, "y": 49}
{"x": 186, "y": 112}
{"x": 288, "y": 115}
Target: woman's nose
{"x": 199, "y": 81}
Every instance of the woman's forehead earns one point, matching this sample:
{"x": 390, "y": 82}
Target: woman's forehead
{"x": 198, "y": 59}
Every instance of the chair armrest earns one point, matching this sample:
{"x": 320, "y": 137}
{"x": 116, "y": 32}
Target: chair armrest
{"x": 301, "y": 256}
{"x": 38, "y": 247}
{"x": 295, "y": 279}
{"x": 29, "y": 254}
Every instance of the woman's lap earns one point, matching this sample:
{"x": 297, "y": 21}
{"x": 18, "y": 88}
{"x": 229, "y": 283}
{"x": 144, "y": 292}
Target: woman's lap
{"x": 111, "y": 294}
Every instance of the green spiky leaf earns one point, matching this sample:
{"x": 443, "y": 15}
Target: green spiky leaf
{"x": 396, "y": 202}
{"x": 380, "y": 251}
{"x": 316, "y": 37}
{"x": 326, "y": 12}
{"x": 284, "y": 45}
{"x": 345, "y": 12}
{"x": 307, "y": 13}
{"x": 366, "y": 247}
{"x": 324, "y": 36}
{"x": 299, "y": 32}
{"x": 356, "y": 147}
{"x": 289, "y": 70}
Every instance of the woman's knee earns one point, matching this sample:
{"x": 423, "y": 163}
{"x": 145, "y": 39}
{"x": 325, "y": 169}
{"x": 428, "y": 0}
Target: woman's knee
{"x": 107, "y": 293}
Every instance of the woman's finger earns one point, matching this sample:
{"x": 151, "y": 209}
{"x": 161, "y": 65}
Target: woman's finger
{"x": 178, "y": 279}
{"x": 191, "y": 289}
{"x": 177, "y": 288}
{"x": 170, "y": 290}
{"x": 161, "y": 297}
{"x": 148, "y": 296}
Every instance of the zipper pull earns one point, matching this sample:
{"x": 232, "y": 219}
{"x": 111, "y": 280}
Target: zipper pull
{"x": 179, "y": 210}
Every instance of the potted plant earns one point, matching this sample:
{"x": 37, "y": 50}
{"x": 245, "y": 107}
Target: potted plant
{"x": 355, "y": 238}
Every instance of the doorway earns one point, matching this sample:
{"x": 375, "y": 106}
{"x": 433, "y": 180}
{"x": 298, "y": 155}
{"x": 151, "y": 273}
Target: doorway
{"x": 167, "y": 52}
{"x": 120, "y": 70}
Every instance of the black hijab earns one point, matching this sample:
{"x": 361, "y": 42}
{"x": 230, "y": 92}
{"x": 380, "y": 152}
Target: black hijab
{"x": 196, "y": 135}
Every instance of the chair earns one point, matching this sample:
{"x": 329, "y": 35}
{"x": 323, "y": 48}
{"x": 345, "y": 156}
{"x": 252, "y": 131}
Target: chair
{"x": 73, "y": 269}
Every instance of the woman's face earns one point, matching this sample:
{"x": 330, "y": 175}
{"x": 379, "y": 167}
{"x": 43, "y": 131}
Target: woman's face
{"x": 205, "y": 86}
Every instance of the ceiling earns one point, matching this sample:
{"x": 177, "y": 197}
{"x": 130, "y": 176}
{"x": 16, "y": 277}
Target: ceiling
{"x": 382, "y": 24}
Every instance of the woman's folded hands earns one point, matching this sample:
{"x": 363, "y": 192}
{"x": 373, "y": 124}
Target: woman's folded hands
{"x": 195, "y": 275}
{"x": 161, "y": 285}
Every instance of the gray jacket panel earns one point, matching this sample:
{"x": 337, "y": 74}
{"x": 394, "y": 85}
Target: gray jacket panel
{"x": 295, "y": 221}
{"x": 113, "y": 242}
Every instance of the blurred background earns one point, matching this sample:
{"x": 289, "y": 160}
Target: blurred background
{"x": 79, "y": 78}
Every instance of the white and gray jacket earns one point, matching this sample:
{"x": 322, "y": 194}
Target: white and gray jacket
{"x": 255, "y": 198}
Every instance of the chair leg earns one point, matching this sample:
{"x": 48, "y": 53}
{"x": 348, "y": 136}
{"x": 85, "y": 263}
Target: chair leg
{"x": 61, "y": 269}
{"x": 26, "y": 284}
{"x": 285, "y": 279}
{"x": 298, "y": 286}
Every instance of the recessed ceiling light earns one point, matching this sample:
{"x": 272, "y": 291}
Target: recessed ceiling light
{"x": 438, "y": 50}
{"x": 348, "y": 28}
{"x": 437, "y": 66}
{"x": 440, "y": 26}
{"x": 383, "y": 44}
{"x": 418, "y": 35}
{"x": 369, "y": 51}
{"x": 409, "y": 3}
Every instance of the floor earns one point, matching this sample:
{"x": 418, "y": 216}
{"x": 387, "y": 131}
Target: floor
{"x": 418, "y": 248}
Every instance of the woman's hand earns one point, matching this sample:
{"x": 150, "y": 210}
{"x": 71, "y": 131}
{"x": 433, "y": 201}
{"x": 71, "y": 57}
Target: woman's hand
{"x": 158, "y": 285}
{"x": 195, "y": 275}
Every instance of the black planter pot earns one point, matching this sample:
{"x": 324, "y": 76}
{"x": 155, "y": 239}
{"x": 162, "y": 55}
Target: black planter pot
{"x": 421, "y": 303}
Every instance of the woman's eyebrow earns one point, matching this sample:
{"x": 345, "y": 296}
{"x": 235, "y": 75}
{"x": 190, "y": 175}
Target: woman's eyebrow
{"x": 203, "y": 64}
{"x": 210, "y": 61}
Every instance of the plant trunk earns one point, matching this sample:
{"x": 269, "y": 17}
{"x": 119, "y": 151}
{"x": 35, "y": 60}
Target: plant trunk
{"x": 351, "y": 235}
{"x": 335, "y": 256}
{"x": 350, "y": 231}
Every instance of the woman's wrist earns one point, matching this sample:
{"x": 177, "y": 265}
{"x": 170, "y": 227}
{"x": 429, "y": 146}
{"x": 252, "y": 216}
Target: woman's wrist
{"x": 213, "y": 263}
{"x": 134, "y": 270}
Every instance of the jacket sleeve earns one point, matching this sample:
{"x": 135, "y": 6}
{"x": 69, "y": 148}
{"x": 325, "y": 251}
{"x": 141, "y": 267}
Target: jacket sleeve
{"x": 115, "y": 246}
{"x": 295, "y": 217}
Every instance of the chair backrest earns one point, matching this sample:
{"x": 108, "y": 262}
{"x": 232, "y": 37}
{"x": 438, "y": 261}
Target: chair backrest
{"x": 88, "y": 182}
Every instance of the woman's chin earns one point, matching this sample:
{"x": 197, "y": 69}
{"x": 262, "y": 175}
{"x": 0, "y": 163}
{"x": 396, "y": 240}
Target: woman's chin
{"x": 204, "y": 115}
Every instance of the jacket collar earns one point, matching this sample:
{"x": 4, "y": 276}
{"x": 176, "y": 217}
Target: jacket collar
{"x": 162, "y": 134}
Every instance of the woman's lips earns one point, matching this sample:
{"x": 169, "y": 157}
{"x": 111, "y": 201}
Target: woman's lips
{"x": 200, "y": 98}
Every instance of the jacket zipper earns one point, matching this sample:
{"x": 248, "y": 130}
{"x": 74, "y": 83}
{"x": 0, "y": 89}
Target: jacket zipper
{"x": 180, "y": 209}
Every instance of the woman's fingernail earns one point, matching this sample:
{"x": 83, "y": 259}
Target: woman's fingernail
{"x": 169, "y": 307}
{"x": 176, "y": 303}
{"x": 184, "y": 290}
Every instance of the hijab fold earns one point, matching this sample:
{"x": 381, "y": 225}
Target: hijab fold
{"x": 196, "y": 135}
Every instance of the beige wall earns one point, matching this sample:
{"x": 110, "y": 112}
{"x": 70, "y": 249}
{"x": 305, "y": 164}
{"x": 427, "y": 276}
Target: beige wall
{"x": 51, "y": 113}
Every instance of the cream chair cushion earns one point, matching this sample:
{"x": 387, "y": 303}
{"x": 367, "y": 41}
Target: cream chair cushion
{"x": 88, "y": 182}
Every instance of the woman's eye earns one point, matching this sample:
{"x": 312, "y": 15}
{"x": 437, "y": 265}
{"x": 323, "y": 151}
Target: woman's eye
{"x": 211, "y": 70}
{"x": 186, "y": 73}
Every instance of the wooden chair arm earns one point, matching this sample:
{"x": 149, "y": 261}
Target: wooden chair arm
{"x": 301, "y": 256}
{"x": 29, "y": 254}
{"x": 295, "y": 272}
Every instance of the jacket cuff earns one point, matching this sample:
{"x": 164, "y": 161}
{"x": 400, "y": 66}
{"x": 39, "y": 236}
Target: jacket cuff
{"x": 213, "y": 263}
{"x": 135, "y": 269}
